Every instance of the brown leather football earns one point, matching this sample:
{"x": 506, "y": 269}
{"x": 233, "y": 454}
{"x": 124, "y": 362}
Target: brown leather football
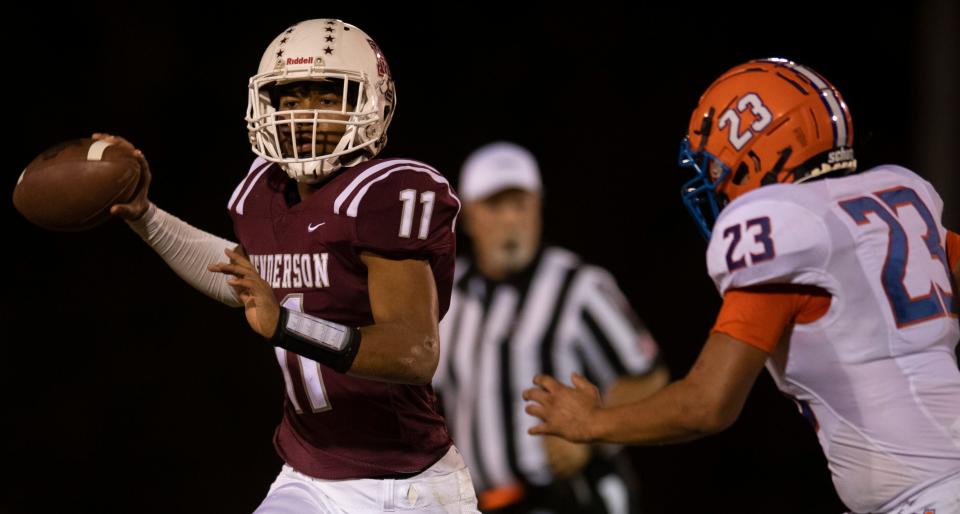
{"x": 72, "y": 185}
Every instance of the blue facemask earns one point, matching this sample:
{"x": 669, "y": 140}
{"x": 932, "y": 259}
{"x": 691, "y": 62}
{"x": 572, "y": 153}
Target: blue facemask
{"x": 699, "y": 194}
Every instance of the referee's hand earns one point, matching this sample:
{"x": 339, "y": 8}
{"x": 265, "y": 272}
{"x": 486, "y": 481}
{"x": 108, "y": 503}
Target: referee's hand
{"x": 564, "y": 411}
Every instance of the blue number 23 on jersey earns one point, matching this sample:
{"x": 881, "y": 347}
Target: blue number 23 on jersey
{"x": 906, "y": 309}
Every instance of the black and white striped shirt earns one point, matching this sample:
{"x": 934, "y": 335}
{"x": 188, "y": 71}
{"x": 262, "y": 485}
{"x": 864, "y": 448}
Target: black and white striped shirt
{"x": 558, "y": 317}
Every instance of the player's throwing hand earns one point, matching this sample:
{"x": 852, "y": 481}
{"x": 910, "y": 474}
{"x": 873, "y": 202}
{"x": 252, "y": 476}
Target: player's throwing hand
{"x": 137, "y": 206}
{"x": 565, "y": 411}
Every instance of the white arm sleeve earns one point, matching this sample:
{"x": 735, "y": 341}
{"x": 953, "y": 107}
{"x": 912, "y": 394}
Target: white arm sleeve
{"x": 188, "y": 251}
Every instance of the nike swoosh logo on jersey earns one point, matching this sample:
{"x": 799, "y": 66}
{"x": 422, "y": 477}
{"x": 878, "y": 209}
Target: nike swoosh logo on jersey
{"x": 311, "y": 227}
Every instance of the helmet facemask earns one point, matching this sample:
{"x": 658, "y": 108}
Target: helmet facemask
{"x": 303, "y": 141}
{"x": 699, "y": 194}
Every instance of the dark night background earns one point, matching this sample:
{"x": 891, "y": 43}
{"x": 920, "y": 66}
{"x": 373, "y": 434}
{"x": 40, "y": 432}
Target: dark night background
{"x": 124, "y": 390}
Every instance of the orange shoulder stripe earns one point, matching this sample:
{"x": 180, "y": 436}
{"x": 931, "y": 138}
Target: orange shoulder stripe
{"x": 953, "y": 249}
{"x": 759, "y": 315}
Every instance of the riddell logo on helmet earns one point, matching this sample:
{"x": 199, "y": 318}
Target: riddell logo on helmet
{"x": 299, "y": 60}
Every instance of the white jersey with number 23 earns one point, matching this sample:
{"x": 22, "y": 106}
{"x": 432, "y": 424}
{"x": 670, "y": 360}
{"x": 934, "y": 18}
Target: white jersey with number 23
{"x": 877, "y": 374}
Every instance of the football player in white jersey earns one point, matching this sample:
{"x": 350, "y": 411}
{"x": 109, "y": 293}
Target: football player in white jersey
{"x": 839, "y": 282}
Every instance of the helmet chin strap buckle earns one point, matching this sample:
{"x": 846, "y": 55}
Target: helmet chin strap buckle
{"x": 328, "y": 166}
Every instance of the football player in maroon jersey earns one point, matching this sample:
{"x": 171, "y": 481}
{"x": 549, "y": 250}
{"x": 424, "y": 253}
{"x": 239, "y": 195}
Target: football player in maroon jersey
{"x": 344, "y": 264}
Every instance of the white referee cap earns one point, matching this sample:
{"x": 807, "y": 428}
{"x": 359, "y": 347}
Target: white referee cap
{"x": 498, "y": 166}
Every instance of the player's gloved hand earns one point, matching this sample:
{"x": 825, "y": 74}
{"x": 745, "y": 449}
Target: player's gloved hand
{"x": 565, "y": 411}
{"x": 137, "y": 207}
{"x": 259, "y": 303}
{"x": 565, "y": 458}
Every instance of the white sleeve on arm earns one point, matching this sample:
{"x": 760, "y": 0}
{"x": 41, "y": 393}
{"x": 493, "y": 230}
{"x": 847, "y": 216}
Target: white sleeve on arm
{"x": 188, "y": 251}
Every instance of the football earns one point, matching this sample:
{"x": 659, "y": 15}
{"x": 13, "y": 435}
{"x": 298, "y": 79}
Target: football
{"x": 72, "y": 185}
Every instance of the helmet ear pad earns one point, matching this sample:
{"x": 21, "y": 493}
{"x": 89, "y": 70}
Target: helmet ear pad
{"x": 740, "y": 174}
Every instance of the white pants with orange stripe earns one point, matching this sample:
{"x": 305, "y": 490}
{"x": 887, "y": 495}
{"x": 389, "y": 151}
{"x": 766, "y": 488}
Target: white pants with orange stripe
{"x": 444, "y": 488}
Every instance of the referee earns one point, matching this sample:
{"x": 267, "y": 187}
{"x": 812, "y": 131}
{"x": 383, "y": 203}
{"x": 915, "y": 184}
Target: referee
{"x": 519, "y": 310}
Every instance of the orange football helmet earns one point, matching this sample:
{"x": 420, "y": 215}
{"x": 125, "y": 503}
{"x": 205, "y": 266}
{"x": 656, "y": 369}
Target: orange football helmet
{"x": 763, "y": 122}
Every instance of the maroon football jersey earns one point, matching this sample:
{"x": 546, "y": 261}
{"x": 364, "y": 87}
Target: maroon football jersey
{"x": 336, "y": 426}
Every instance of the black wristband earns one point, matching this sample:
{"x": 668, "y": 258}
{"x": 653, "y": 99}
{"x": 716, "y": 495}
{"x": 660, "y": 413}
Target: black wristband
{"x": 331, "y": 344}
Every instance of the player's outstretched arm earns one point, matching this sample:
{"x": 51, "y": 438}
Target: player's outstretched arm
{"x": 186, "y": 249}
{"x": 707, "y": 400}
{"x": 628, "y": 389}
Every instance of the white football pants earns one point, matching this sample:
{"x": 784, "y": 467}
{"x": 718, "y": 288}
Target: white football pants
{"x": 443, "y": 488}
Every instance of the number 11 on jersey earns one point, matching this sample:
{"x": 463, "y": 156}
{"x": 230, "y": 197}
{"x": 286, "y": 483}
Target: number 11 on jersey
{"x": 409, "y": 198}
{"x": 302, "y": 377}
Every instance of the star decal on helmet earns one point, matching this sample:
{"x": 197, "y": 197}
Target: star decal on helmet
{"x": 329, "y": 39}
{"x": 328, "y": 50}
{"x": 280, "y": 52}
{"x": 329, "y": 29}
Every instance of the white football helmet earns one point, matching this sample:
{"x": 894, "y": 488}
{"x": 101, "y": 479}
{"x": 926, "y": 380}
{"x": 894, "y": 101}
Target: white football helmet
{"x": 321, "y": 50}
